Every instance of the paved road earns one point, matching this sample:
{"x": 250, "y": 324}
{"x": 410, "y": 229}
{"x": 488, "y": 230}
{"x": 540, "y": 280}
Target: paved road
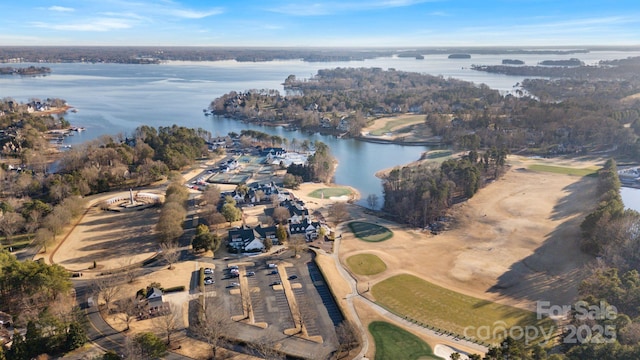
{"x": 101, "y": 333}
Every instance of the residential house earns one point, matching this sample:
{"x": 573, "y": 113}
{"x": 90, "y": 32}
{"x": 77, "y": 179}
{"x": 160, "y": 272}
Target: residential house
{"x": 6, "y": 320}
{"x": 267, "y": 189}
{"x": 306, "y": 227}
{"x": 273, "y": 151}
{"x": 343, "y": 125}
{"x": 297, "y": 210}
{"x": 217, "y": 143}
{"x": 287, "y": 159}
{"x": 269, "y": 232}
{"x": 325, "y": 122}
{"x": 244, "y": 240}
{"x": 154, "y": 299}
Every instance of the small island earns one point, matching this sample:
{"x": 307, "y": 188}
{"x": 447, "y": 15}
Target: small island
{"x": 570, "y": 62}
{"x": 459, "y": 56}
{"x": 29, "y": 71}
{"x": 512, "y": 62}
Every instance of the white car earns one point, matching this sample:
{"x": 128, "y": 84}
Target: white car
{"x": 209, "y": 281}
{"x": 208, "y": 271}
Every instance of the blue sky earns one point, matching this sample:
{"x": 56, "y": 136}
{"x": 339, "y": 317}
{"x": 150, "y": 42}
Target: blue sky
{"x": 348, "y": 23}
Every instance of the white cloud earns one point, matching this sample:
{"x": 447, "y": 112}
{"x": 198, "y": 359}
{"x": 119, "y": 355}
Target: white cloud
{"x": 60, "y": 8}
{"x": 272, "y": 27}
{"x": 193, "y": 14}
{"x": 327, "y": 8}
{"x": 129, "y": 15}
{"x": 98, "y": 25}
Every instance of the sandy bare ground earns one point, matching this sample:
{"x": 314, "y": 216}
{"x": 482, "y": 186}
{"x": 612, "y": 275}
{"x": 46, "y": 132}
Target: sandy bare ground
{"x": 111, "y": 239}
{"x": 514, "y": 242}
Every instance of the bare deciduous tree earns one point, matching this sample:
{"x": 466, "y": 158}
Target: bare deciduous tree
{"x": 347, "y": 337}
{"x": 275, "y": 200}
{"x": 33, "y": 223}
{"x": 43, "y": 237}
{"x": 339, "y": 212}
{"x": 129, "y": 272}
{"x": 281, "y": 214}
{"x": 169, "y": 321}
{"x": 214, "y": 327}
{"x": 372, "y": 201}
{"x": 297, "y": 243}
{"x": 211, "y": 195}
{"x": 170, "y": 252}
{"x": 10, "y": 223}
{"x": 128, "y": 309}
{"x": 57, "y": 220}
{"x": 107, "y": 288}
{"x": 267, "y": 345}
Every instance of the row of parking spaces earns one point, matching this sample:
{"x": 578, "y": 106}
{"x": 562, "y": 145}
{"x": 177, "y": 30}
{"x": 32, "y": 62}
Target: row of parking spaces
{"x": 284, "y": 312}
{"x": 257, "y": 299}
{"x": 268, "y": 305}
{"x": 225, "y": 281}
{"x": 307, "y": 311}
{"x": 325, "y": 294}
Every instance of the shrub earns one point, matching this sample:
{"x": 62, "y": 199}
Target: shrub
{"x": 174, "y": 289}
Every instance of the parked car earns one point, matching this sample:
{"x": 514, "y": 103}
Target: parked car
{"x": 209, "y": 281}
{"x": 208, "y": 271}
{"x": 275, "y": 283}
{"x": 293, "y": 277}
{"x": 250, "y": 273}
{"x": 271, "y": 266}
{"x": 273, "y": 272}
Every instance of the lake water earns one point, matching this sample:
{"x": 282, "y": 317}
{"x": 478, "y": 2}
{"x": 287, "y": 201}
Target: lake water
{"x": 631, "y": 198}
{"x": 117, "y": 98}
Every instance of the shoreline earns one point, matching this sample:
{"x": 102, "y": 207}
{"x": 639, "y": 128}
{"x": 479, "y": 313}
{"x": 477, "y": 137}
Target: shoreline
{"x": 400, "y": 142}
{"x": 337, "y": 133}
{"x": 58, "y": 110}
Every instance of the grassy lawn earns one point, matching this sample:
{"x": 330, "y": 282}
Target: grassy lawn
{"x": 329, "y": 192}
{"x": 366, "y": 264}
{"x": 564, "y": 170}
{"x": 439, "y": 154}
{"x": 18, "y": 242}
{"x": 393, "y": 342}
{"x": 448, "y": 310}
{"x": 397, "y": 123}
{"x": 370, "y": 232}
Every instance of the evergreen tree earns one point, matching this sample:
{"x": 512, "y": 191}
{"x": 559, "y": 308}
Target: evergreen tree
{"x": 76, "y": 336}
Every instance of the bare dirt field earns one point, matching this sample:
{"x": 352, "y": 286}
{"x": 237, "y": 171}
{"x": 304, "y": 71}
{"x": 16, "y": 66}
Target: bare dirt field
{"x": 514, "y": 242}
{"x": 111, "y": 239}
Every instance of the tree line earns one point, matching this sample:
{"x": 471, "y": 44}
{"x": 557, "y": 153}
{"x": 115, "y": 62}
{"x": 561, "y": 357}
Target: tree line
{"x": 610, "y": 291}
{"x": 419, "y": 195}
{"x": 320, "y": 167}
{"x": 575, "y": 114}
{"x": 37, "y": 296}
{"x": 349, "y": 96}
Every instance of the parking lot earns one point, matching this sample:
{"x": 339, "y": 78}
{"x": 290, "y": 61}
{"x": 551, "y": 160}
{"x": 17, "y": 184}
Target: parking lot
{"x": 276, "y": 289}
